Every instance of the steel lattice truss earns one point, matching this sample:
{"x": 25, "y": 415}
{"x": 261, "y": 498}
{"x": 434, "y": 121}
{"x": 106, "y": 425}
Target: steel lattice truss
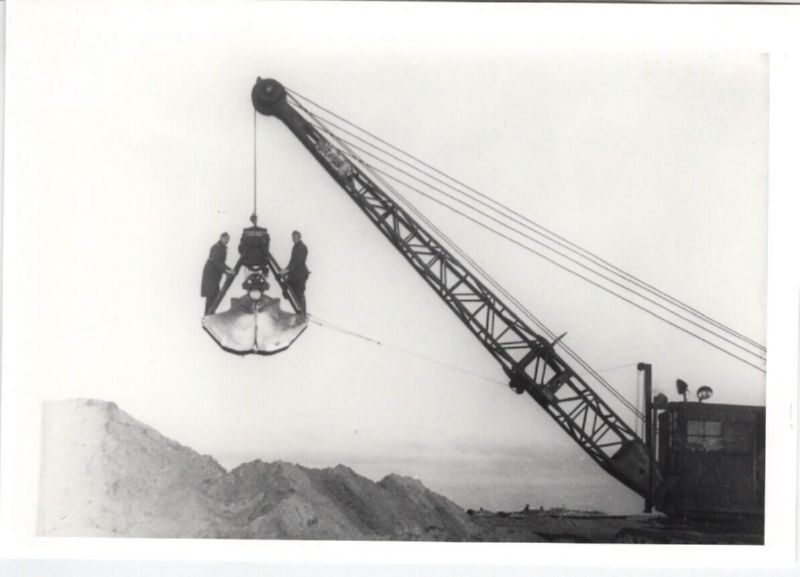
{"x": 529, "y": 359}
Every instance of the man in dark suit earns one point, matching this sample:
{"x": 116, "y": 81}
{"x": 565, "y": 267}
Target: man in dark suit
{"x": 297, "y": 272}
{"x": 213, "y": 270}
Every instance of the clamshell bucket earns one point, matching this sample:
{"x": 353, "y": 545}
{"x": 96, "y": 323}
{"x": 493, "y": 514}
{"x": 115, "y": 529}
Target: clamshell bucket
{"x": 254, "y": 326}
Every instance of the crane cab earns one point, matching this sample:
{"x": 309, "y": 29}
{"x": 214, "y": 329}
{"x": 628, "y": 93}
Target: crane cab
{"x": 711, "y": 458}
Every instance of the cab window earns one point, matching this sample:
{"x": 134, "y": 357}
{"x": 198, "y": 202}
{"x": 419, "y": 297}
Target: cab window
{"x": 704, "y": 435}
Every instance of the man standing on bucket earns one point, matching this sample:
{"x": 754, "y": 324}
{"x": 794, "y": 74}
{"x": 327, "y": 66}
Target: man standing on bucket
{"x": 297, "y": 272}
{"x": 213, "y": 270}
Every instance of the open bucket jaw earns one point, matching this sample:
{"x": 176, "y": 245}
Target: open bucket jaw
{"x": 259, "y": 327}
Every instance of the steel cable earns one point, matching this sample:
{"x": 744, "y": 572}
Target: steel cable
{"x": 530, "y": 225}
{"x": 565, "y": 256}
{"x": 344, "y": 145}
{"x": 466, "y": 257}
{"x": 373, "y": 169}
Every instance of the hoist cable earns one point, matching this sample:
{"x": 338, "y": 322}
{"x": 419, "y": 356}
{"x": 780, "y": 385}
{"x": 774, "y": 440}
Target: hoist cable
{"x": 499, "y": 287}
{"x": 633, "y": 408}
{"x": 375, "y": 169}
{"x": 528, "y": 223}
{"x": 561, "y": 254}
{"x": 255, "y": 161}
{"x": 578, "y": 250}
{"x": 556, "y": 238}
{"x": 466, "y": 257}
{"x": 598, "y": 285}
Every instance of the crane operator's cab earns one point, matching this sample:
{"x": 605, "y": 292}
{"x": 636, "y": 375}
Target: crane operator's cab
{"x": 711, "y": 459}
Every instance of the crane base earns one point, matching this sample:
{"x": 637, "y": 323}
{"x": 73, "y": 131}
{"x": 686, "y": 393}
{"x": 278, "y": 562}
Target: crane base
{"x": 254, "y": 327}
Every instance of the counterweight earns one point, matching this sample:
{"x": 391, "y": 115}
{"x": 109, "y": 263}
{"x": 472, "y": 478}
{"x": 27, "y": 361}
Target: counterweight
{"x": 529, "y": 359}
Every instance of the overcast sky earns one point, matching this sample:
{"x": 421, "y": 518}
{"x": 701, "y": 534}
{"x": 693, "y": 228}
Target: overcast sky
{"x": 132, "y": 151}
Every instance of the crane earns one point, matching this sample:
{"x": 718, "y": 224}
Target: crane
{"x": 696, "y": 460}
{"x": 530, "y": 360}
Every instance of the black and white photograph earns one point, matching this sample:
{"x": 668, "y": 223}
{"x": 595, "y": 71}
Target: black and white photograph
{"x": 335, "y": 274}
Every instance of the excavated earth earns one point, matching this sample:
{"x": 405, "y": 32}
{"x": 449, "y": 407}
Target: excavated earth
{"x": 105, "y": 474}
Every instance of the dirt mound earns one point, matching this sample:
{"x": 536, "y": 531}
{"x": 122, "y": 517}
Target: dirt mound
{"x": 105, "y": 474}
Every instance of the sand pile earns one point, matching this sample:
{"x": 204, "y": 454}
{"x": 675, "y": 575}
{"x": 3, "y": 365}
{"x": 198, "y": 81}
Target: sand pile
{"x": 105, "y": 474}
